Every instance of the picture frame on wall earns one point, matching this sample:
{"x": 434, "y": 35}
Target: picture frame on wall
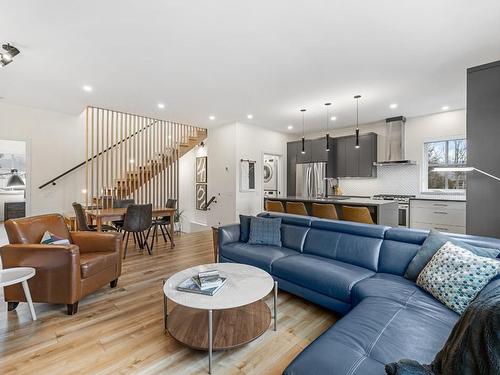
{"x": 201, "y": 170}
{"x": 201, "y": 197}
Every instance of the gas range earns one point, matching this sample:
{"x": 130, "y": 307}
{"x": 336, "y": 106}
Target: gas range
{"x": 402, "y": 199}
{"x": 403, "y": 206}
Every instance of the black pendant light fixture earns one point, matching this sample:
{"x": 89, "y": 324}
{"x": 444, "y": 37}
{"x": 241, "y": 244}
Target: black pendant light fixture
{"x": 357, "y": 119}
{"x": 327, "y": 106}
{"x": 15, "y": 180}
{"x": 303, "y": 151}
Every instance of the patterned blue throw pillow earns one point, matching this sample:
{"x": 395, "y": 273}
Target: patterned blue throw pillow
{"x": 265, "y": 231}
{"x": 455, "y": 276}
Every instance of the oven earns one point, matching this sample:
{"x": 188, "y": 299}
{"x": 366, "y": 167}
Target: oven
{"x": 404, "y": 215}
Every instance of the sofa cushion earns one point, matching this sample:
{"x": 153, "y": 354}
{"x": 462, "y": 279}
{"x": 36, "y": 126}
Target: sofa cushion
{"x": 375, "y": 332}
{"x": 245, "y": 227}
{"x": 327, "y": 276}
{"x": 93, "y": 263}
{"x": 265, "y": 231}
{"x": 434, "y": 241}
{"x": 455, "y": 276}
{"x": 386, "y": 285}
{"x": 293, "y": 236}
{"x": 261, "y": 256}
{"x": 350, "y": 248}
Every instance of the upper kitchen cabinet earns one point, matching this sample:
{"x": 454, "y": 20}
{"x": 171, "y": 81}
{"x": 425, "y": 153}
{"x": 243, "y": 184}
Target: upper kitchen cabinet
{"x": 318, "y": 152}
{"x": 307, "y": 156}
{"x": 345, "y": 160}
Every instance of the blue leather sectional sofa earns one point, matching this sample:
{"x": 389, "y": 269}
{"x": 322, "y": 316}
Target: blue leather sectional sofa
{"x": 356, "y": 270}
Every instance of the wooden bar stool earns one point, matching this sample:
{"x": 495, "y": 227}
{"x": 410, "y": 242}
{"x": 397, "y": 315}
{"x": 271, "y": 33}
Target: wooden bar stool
{"x": 296, "y": 208}
{"x": 274, "y": 206}
{"x": 324, "y": 211}
{"x": 357, "y": 214}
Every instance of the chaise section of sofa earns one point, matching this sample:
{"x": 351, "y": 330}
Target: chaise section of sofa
{"x": 355, "y": 270}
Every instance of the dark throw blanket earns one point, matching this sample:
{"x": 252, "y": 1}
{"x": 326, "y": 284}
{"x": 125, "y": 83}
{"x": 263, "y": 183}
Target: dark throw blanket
{"x": 473, "y": 347}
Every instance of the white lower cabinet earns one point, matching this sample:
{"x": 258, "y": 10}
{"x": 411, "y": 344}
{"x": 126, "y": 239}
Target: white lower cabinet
{"x": 444, "y": 216}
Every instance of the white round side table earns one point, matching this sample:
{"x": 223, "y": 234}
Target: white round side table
{"x": 16, "y": 275}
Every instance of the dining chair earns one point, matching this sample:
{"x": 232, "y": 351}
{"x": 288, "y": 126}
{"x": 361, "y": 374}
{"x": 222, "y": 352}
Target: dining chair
{"x": 163, "y": 223}
{"x": 138, "y": 219}
{"x": 274, "y": 206}
{"x": 296, "y": 208}
{"x": 83, "y": 225}
{"x": 324, "y": 211}
{"x": 357, "y": 214}
{"x": 121, "y": 203}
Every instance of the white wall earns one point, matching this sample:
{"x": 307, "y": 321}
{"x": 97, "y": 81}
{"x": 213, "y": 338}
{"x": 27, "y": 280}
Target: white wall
{"x": 192, "y": 219}
{"x": 228, "y": 144}
{"x": 54, "y": 144}
{"x": 401, "y": 179}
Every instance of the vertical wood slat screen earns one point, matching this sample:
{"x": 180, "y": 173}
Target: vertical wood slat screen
{"x": 134, "y": 157}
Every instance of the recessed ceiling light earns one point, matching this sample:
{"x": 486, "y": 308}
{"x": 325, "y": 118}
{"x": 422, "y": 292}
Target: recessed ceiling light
{"x": 393, "y": 106}
{"x": 289, "y": 127}
{"x": 161, "y": 105}
{"x": 211, "y": 117}
{"x": 249, "y": 117}
{"x": 445, "y": 108}
{"x": 333, "y": 118}
{"x": 87, "y": 88}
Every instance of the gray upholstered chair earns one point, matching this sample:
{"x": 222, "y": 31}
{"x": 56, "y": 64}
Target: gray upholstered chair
{"x": 137, "y": 220}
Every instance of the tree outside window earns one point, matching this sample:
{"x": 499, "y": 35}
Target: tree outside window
{"x": 449, "y": 153}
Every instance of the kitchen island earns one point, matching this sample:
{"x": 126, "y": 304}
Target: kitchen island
{"x": 382, "y": 212}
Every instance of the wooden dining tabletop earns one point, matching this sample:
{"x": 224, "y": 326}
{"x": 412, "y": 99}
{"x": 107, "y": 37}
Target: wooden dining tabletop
{"x": 101, "y": 215}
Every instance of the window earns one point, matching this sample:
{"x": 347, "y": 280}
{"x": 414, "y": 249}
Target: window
{"x": 447, "y": 153}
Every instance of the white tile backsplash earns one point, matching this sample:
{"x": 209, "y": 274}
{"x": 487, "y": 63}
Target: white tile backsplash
{"x": 394, "y": 179}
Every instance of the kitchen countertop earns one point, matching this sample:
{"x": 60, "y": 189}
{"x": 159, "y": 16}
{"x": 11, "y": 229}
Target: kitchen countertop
{"x": 337, "y": 200}
{"x": 432, "y": 197}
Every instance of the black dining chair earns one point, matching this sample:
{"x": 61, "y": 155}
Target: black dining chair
{"x": 83, "y": 225}
{"x": 137, "y": 220}
{"x": 121, "y": 203}
{"x": 163, "y": 223}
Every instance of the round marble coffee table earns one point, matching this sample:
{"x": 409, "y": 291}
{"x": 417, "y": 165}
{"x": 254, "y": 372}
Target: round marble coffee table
{"x": 10, "y": 276}
{"x": 237, "y": 314}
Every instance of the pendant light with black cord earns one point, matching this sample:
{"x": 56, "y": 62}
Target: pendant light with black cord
{"x": 357, "y": 119}
{"x": 303, "y": 151}
{"x": 327, "y": 105}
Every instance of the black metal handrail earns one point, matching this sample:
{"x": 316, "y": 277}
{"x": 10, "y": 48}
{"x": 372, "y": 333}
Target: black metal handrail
{"x": 53, "y": 181}
{"x": 212, "y": 200}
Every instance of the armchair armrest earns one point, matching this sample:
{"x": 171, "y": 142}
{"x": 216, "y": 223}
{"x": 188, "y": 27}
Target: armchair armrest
{"x": 96, "y": 241}
{"x": 229, "y": 234}
{"x": 57, "y": 278}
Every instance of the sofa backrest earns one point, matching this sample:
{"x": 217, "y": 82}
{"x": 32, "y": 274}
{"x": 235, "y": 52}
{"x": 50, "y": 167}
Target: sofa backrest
{"x": 349, "y": 242}
{"x": 293, "y": 229}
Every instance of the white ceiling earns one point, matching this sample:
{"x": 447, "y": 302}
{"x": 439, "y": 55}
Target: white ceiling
{"x": 230, "y": 58}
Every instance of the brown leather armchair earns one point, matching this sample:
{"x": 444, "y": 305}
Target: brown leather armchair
{"x": 64, "y": 273}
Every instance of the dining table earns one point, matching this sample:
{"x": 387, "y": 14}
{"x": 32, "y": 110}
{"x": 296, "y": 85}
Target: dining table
{"x": 102, "y": 215}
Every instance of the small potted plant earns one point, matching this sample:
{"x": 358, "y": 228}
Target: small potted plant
{"x": 178, "y": 221}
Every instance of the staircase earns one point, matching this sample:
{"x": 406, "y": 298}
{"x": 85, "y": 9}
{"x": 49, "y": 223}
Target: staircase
{"x": 141, "y": 175}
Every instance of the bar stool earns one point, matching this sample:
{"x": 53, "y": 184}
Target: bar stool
{"x": 296, "y": 208}
{"x": 274, "y": 206}
{"x": 324, "y": 211}
{"x": 357, "y": 214}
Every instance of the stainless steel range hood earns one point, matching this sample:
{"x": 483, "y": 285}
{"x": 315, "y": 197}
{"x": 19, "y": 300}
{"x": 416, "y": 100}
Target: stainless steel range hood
{"x": 395, "y": 143}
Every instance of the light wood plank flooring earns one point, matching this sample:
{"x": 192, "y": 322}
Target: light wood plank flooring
{"x": 120, "y": 331}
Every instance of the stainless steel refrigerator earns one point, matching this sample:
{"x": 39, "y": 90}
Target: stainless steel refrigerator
{"x": 310, "y": 180}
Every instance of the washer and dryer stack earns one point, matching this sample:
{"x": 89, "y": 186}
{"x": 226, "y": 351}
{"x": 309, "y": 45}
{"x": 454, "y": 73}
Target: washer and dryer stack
{"x": 270, "y": 177}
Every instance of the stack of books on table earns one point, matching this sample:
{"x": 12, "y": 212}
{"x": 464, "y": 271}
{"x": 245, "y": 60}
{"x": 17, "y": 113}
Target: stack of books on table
{"x": 206, "y": 282}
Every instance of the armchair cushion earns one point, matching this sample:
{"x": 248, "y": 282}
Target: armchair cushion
{"x": 93, "y": 263}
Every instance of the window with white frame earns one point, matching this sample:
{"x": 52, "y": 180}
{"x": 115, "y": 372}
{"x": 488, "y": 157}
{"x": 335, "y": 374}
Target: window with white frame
{"x": 445, "y": 153}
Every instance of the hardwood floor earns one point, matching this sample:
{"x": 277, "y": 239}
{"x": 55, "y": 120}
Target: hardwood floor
{"x": 120, "y": 331}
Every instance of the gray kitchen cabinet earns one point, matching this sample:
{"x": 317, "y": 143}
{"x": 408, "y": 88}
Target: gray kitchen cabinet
{"x": 307, "y": 157}
{"x": 318, "y": 150}
{"x": 345, "y": 160}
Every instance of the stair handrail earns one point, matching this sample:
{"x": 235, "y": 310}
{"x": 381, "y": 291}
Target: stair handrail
{"x": 53, "y": 181}
{"x": 212, "y": 200}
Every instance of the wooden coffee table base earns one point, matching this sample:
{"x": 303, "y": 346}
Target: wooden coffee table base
{"x": 231, "y": 328}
